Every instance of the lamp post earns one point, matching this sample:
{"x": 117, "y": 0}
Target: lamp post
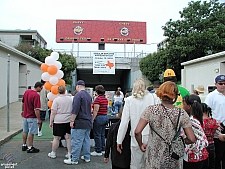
{"x": 141, "y": 40}
{"x": 124, "y": 50}
{"x": 128, "y": 40}
{"x": 74, "y": 39}
{"x": 78, "y": 49}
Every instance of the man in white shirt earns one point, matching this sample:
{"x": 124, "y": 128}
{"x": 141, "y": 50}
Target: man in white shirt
{"x": 216, "y": 101}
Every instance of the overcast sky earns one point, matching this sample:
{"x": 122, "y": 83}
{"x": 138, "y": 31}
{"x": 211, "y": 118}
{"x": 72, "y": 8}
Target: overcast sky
{"x": 41, "y": 15}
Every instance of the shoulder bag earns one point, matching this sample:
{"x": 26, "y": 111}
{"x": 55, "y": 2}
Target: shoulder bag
{"x": 176, "y": 145}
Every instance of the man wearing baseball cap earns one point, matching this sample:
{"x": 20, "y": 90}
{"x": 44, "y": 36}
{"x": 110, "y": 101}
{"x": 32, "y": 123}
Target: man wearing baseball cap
{"x": 216, "y": 101}
{"x": 81, "y": 125}
{"x": 31, "y": 117}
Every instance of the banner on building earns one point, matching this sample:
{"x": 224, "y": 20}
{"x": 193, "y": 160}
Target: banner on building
{"x": 104, "y": 63}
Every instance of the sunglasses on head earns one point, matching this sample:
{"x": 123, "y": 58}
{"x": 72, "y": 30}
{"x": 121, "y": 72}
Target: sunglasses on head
{"x": 219, "y": 83}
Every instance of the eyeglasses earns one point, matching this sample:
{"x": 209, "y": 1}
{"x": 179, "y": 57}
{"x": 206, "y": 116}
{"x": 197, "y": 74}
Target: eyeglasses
{"x": 221, "y": 84}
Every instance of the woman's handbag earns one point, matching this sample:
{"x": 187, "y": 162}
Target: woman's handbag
{"x": 176, "y": 145}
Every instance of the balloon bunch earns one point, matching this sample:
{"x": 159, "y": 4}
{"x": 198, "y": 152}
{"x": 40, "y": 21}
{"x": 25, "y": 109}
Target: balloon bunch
{"x": 52, "y": 76}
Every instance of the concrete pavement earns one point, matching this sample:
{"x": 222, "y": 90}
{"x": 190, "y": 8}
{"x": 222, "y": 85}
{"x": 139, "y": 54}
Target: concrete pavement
{"x": 15, "y": 121}
{"x": 11, "y": 153}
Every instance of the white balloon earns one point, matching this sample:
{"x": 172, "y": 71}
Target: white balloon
{"x": 59, "y": 74}
{"x": 45, "y": 76}
{"x": 53, "y": 80}
{"x": 57, "y": 64}
{"x": 51, "y": 96}
{"x": 49, "y": 60}
{"x": 55, "y": 55}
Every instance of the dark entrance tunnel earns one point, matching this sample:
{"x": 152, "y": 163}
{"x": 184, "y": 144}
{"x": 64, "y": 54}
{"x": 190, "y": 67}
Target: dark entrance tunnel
{"x": 121, "y": 78}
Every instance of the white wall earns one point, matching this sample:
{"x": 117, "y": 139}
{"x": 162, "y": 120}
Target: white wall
{"x": 202, "y": 72}
{"x": 13, "y": 90}
{"x": 3, "y": 78}
{"x": 10, "y": 39}
{"x": 17, "y": 83}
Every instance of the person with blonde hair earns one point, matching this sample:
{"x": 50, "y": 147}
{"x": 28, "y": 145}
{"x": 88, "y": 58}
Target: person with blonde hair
{"x": 60, "y": 121}
{"x": 133, "y": 108}
{"x": 164, "y": 120}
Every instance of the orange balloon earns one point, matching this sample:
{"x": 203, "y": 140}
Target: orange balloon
{"x": 52, "y": 70}
{"x": 48, "y": 85}
{"x": 44, "y": 67}
{"x": 54, "y": 89}
{"x": 61, "y": 82}
{"x": 50, "y": 103}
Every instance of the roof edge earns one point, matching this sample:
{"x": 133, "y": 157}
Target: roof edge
{"x": 23, "y": 31}
{"x": 19, "y": 53}
{"x": 203, "y": 58}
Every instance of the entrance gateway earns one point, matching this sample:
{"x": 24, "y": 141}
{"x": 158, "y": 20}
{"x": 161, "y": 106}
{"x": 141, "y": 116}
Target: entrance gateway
{"x": 111, "y": 69}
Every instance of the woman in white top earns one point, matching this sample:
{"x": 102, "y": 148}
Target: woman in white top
{"x": 118, "y": 98}
{"x": 60, "y": 121}
{"x": 133, "y": 108}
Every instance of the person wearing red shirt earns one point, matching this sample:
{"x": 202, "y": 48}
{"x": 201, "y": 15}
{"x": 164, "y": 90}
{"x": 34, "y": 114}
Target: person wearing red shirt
{"x": 216, "y": 101}
{"x": 212, "y": 129}
{"x": 100, "y": 120}
{"x": 31, "y": 117}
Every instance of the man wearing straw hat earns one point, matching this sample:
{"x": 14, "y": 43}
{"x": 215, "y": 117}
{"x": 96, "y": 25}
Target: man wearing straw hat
{"x": 200, "y": 89}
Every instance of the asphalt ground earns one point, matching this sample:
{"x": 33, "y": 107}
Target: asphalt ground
{"x": 11, "y": 155}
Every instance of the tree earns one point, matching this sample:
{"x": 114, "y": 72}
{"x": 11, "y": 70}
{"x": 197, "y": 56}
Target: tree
{"x": 153, "y": 65}
{"x": 201, "y": 28}
{"x": 199, "y": 32}
{"x": 68, "y": 65}
{"x": 68, "y": 62}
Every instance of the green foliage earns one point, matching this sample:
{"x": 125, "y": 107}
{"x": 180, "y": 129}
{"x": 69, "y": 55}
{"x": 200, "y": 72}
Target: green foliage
{"x": 41, "y": 53}
{"x": 68, "y": 65}
{"x": 199, "y": 32}
{"x": 68, "y": 61}
{"x": 153, "y": 65}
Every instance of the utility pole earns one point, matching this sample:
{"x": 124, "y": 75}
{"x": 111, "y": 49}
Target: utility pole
{"x": 8, "y": 84}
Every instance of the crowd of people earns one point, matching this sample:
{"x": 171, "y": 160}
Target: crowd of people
{"x": 162, "y": 127}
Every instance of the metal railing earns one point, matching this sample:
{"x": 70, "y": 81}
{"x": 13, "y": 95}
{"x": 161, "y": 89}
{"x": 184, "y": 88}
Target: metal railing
{"x": 90, "y": 54}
